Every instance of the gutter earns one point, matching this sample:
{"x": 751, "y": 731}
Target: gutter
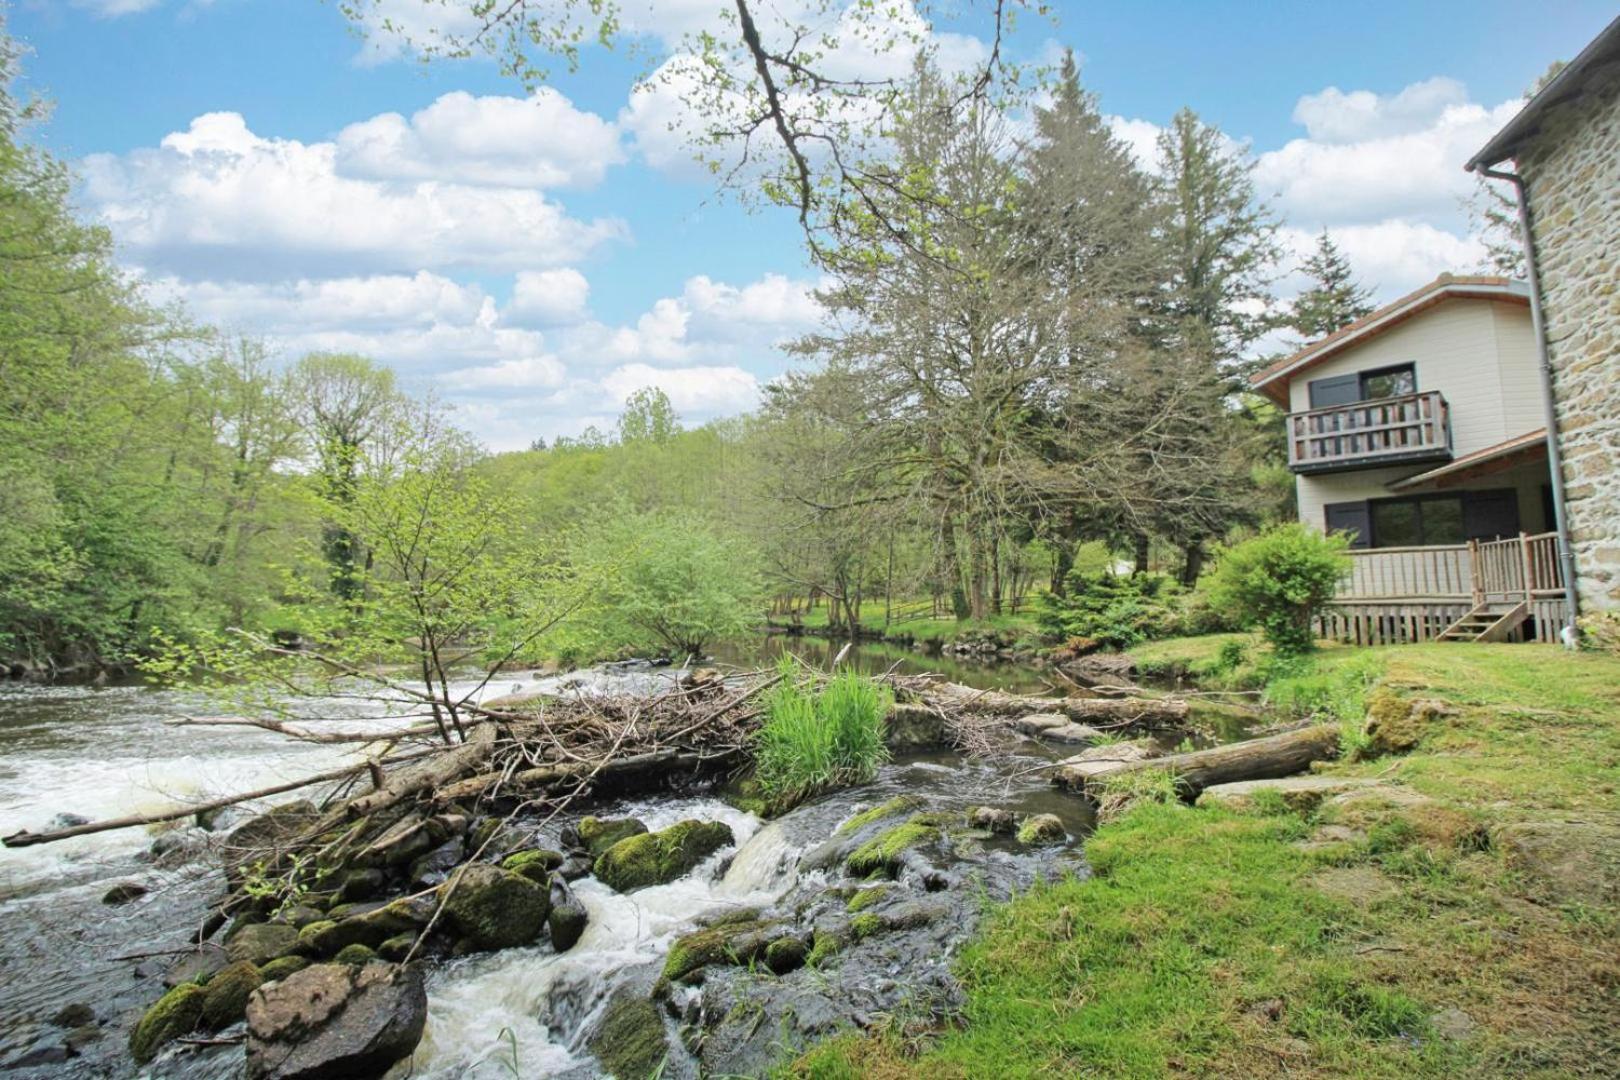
{"x": 1555, "y": 457}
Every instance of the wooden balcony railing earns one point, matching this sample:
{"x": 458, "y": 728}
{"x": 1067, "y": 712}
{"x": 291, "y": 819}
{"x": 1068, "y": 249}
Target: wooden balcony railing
{"x": 1412, "y": 427}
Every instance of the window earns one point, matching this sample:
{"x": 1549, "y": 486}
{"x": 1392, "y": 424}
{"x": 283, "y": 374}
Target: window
{"x": 1388, "y": 382}
{"x": 1426, "y": 520}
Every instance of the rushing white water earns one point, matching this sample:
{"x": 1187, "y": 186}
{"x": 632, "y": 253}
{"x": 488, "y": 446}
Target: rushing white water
{"x": 516, "y": 1010}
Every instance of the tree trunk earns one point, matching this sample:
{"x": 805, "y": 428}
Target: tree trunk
{"x": 1104, "y": 712}
{"x": 1141, "y": 553}
{"x": 1258, "y": 759}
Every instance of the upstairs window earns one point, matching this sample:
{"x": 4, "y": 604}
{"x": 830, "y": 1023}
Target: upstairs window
{"x": 1388, "y": 382}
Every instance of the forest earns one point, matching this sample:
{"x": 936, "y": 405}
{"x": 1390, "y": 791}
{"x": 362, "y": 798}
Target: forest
{"x": 1033, "y": 347}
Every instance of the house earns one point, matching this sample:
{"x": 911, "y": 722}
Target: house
{"x": 1419, "y": 431}
{"x": 1565, "y": 148}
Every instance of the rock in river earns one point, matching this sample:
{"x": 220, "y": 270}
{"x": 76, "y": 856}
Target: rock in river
{"x": 491, "y": 908}
{"x": 332, "y": 1021}
{"x": 660, "y": 857}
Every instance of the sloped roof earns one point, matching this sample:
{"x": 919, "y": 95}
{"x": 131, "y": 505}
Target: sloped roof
{"x": 1570, "y": 83}
{"x": 1273, "y": 380}
{"x": 1513, "y": 447}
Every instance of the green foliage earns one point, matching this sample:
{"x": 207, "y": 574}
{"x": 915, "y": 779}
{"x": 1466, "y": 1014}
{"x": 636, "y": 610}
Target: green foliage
{"x": 1279, "y": 580}
{"x": 1108, "y": 609}
{"x": 812, "y": 742}
{"x": 670, "y": 580}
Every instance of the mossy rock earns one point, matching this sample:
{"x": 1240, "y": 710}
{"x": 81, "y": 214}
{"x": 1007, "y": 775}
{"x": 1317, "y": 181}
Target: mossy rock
{"x": 786, "y": 954}
{"x": 864, "y": 926}
{"x": 536, "y": 865}
{"x": 371, "y": 927}
{"x": 262, "y": 942}
{"x": 630, "y": 1043}
{"x": 599, "y": 834}
{"x": 882, "y": 854}
{"x": 746, "y": 795}
{"x": 730, "y": 944}
{"x": 395, "y": 948}
{"x": 868, "y": 896}
{"x": 900, "y": 804}
{"x": 174, "y": 1014}
{"x": 827, "y": 944}
{"x": 1396, "y": 725}
{"x": 356, "y": 955}
{"x": 661, "y": 857}
{"x": 282, "y": 967}
{"x": 491, "y": 908}
{"x": 1042, "y": 829}
{"x": 228, "y": 992}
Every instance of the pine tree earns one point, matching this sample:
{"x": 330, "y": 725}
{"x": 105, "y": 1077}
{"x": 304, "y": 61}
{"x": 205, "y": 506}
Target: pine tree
{"x": 1334, "y": 299}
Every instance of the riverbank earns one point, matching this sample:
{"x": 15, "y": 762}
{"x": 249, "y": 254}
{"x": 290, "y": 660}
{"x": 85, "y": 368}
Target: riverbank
{"x": 1463, "y": 921}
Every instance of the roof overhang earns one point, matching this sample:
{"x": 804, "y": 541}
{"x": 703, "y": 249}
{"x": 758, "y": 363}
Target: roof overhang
{"x": 1519, "y": 450}
{"x": 1568, "y": 84}
{"x": 1273, "y": 381}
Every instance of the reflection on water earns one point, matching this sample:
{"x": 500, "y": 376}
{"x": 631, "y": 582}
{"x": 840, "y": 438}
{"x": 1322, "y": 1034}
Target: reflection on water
{"x": 875, "y": 657}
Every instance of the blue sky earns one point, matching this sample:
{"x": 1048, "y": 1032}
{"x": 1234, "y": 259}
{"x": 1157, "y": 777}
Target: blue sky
{"x": 534, "y": 261}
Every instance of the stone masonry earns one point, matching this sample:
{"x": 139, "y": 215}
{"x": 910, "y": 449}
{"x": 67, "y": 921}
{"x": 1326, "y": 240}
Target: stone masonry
{"x": 1572, "y": 170}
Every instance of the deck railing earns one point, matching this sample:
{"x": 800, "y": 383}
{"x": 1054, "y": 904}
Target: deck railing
{"x": 1411, "y": 427}
{"x": 1413, "y": 593}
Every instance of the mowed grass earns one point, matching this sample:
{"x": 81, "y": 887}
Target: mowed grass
{"x": 1216, "y": 943}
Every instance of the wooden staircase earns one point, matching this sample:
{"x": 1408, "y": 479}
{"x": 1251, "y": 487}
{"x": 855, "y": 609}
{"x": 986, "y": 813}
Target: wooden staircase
{"x": 1493, "y": 620}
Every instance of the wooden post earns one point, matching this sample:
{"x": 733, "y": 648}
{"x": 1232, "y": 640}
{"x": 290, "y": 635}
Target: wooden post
{"x": 1529, "y": 575}
{"x": 1474, "y": 573}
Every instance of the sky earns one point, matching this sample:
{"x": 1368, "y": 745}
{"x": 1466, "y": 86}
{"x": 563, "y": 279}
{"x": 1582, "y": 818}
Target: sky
{"x": 535, "y": 259}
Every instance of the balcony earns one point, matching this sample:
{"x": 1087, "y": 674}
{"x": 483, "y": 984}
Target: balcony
{"x": 1402, "y": 430}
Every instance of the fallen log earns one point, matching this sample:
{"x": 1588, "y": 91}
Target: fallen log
{"x": 1257, "y": 759}
{"x": 437, "y": 770}
{"x": 529, "y": 780}
{"x": 1102, "y": 712}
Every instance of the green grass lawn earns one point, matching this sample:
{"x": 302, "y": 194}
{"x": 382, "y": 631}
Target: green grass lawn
{"x": 1215, "y": 943}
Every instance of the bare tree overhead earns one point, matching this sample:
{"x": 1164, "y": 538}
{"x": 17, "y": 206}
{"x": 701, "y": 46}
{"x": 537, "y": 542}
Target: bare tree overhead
{"x": 783, "y": 100}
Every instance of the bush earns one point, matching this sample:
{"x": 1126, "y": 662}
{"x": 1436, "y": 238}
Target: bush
{"x": 1108, "y": 610}
{"x": 1278, "y": 581}
{"x": 814, "y": 742}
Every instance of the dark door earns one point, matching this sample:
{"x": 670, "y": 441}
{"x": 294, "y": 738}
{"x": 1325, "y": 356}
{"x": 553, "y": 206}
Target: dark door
{"x": 1490, "y": 515}
{"x": 1351, "y": 518}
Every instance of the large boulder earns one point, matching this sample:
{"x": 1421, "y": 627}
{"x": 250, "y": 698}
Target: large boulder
{"x": 661, "y": 857}
{"x": 630, "y": 1042}
{"x": 261, "y": 942}
{"x": 596, "y": 835}
{"x": 491, "y": 908}
{"x": 1298, "y": 793}
{"x": 333, "y": 1021}
{"x": 262, "y": 838}
{"x": 171, "y": 1016}
{"x": 228, "y": 993}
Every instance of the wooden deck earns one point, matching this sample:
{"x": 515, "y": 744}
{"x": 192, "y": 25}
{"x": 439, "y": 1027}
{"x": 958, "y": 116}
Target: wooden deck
{"x": 1400, "y": 595}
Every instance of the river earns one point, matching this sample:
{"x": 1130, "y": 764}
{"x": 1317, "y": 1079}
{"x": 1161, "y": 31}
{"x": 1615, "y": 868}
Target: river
{"x": 101, "y": 752}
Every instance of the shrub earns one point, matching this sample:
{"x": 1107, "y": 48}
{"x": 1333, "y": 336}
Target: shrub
{"x": 815, "y": 742}
{"x": 1109, "y": 610}
{"x": 1278, "y": 581}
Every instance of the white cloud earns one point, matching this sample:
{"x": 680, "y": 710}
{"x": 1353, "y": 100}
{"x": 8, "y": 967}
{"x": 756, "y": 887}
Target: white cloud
{"x": 217, "y": 200}
{"x": 547, "y": 297}
{"x": 531, "y": 372}
{"x": 109, "y": 9}
{"x": 1141, "y": 137}
{"x": 395, "y": 300}
{"x": 1381, "y": 158}
{"x": 1334, "y": 116}
{"x": 701, "y": 391}
{"x": 1391, "y": 257}
{"x": 542, "y": 141}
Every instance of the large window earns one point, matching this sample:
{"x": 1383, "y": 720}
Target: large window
{"x": 1426, "y": 520}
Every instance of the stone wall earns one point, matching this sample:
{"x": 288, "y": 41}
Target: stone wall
{"x": 1572, "y": 170}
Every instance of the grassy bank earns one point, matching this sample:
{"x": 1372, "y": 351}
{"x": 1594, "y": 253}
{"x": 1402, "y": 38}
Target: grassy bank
{"x": 915, "y": 621}
{"x": 1377, "y": 937}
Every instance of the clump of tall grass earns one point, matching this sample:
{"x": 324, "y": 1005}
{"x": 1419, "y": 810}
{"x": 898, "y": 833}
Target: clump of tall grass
{"x": 815, "y": 741}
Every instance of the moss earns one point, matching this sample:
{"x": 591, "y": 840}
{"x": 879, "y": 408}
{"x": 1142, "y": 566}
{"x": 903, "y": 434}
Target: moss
{"x": 261, "y": 942}
{"x": 171, "y": 1016}
{"x": 312, "y": 937}
{"x": 896, "y": 806}
{"x": 492, "y": 908}
{"x": 282, "y": 967}
{"x": 1042, "y": 829}
{"x": 864, "y": 926}
{"x": 370, "y": 928}
{"x": 786, "y": 954}
{"x": 827, "y": 945}
{"x": 881, "y": 854}
{"x": 355, "y": 955}
{"x": 396, "y": 947}
{"x": 656, "y": 858}
{"x": 630, "y": 1042}
{"x": 865, "y": 898}
{"x": 228, "y": 992}
{"x": 536, "y": 865}
{"x": 733, "y": 943}
{"x": 599, "y": 834}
